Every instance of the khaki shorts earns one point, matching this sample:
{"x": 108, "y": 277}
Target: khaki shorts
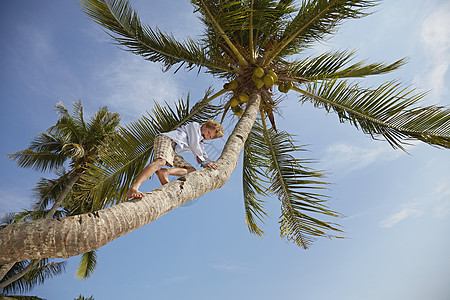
{"x": 164, "y": 148}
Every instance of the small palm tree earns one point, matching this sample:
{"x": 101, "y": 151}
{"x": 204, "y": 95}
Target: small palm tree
{"x": 255, "y": 48}
{"x": 74, "y": 141}
{"x": 71, "y": 140}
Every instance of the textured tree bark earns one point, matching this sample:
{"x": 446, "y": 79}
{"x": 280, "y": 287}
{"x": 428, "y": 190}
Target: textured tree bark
{"x": 49, "y": 215}
{"x": 70, "y": 236}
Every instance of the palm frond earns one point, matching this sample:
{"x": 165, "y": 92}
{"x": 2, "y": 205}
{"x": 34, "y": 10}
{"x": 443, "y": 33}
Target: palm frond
{"x": 338, "y": 65}
{"x": 40, "y": 271}
{"x": 314, "y": 20}
{"x": 249, "y": 25}
{"x": 390, "y": 111}
{"x": 87, "y": 265}
{"x": 48, "y": 190}
{"x": 118, "y": 17}
{"x": 78, "y": 115}
{"x": 298, "y": 189}
{"x": 210, "y": 17}
{"x": 20, "y": 297}
{"x": 40, "y": 161}
{"x": 127, "y": 154}
{"x": 84, "y": 298}
{"x": 254, "y": 180}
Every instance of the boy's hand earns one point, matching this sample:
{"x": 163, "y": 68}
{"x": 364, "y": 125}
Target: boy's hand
{"x": 212, "y": 166}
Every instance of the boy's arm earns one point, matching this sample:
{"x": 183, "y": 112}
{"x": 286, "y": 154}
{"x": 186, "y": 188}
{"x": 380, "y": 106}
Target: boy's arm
{"x": 211, "y": 165}
{"x": 194, "y": 141}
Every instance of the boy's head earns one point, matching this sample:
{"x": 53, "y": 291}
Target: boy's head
{"x": 212, "y": 130}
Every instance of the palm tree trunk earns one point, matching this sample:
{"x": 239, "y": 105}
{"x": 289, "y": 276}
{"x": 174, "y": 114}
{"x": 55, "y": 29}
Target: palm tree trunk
{"x": 70, "y": 236}
{"x": 63, "y": 195}
{"x": 5, "y": 268}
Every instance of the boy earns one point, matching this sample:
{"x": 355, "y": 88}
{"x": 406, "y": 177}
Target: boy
{"x": 167, "y": 145}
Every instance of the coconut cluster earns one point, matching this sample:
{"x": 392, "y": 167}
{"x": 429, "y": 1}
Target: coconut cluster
{"x": 239, "y": 98}
{"x": 261, "y": 78}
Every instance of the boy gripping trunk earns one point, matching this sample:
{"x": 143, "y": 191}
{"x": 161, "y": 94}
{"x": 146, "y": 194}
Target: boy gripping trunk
{"x": 187, "y": 138}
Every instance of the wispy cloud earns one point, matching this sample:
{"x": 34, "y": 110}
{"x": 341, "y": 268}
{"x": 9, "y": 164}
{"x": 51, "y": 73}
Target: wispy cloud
{"x": 167, "y": 282}
{"x": 131, "y": 85}
{"x": 344, "y": 158}
{"x": 405, "y": 213}
{"x": 441, "y": 195}
{"x": 436, "y": 204}
{"x": 435, "y": 39}
{"x": 232, "y": 268}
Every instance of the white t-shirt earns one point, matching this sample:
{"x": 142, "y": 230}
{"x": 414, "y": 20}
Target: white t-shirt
{"x": 188, "y": 138}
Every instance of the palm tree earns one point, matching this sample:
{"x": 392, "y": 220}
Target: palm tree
{"x": 253, "y": 46}
{"x": 71, "y": 140}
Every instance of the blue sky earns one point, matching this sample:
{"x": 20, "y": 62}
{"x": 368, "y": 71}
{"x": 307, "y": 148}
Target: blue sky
{"x": 397, "y": 205}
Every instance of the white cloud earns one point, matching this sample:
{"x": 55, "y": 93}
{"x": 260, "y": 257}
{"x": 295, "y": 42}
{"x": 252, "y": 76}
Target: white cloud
{"x": 227, "y": 267}
{"x": 441, "y": 197}
{"x": 435, "y": 39}
{"x": 131, "y": 85}
{"x": 436, "y": 204}
{"x": 400, "y": 216}
{"x": 344, "y": 158}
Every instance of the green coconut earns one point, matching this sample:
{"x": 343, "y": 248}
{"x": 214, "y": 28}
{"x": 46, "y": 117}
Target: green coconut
{"x": 243, "y": 97}
{"x": 268, "y": 80}
{"x": 234, "y": 102}
{"x": 273, "y": 74}
{"x": 237, "y": 110}
{"x": 258, "y": 72}
{"x": 232, "y": 85}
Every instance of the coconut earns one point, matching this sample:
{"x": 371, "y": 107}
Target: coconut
{"x": 243, "y": 97}
{"x": 268, "y": 80}
{"x": 273, "y": 74}
{"x": 237, "y": 110}
{"x": 259, "y": 83}
{"x": 233, "y": 85}
{"x": 259, "y": 72}
{"x": 234, "y": 102}
{"x": 282, "y": 87}
{"x": 289, "y": 85}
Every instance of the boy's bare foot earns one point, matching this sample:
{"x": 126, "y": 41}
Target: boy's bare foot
{"x": 134, "y": 193}
{"x": 163, "y": 176}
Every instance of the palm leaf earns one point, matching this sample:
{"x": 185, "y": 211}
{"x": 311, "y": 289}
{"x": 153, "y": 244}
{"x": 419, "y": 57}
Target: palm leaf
{"x": 87, "y": 265}
{"x": 118, "y": 17}
{"x": 297, "y": 188}
{"x": 40, "y": 161}
{"x": 337, "y": 65}
{"x": 390, "y": 111}
{"x": 254, "y": 180}
{"x": 314, "y": 20}
{"x": 225, "y": 8}
{"x": 20, "y": 297}
{"x": 41, "y": 271}
{"x": 48, "y": 190}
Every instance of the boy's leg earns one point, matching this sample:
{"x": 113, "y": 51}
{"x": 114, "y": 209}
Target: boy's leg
{"x": 148, "y": 171}
{"x": 163, "y": 174}
{"x": 164, "y": 152}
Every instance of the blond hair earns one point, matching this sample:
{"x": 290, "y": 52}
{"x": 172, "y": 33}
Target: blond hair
{"x": 214, "y": 125}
